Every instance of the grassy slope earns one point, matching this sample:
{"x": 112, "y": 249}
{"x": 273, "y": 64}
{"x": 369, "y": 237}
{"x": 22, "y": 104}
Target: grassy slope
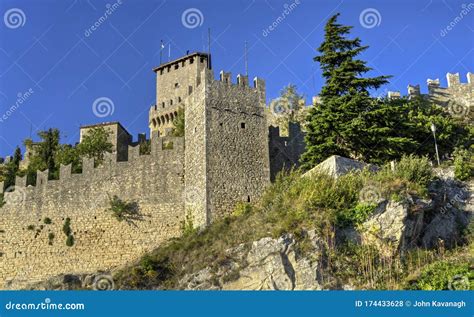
{"x": 294, "y": 204}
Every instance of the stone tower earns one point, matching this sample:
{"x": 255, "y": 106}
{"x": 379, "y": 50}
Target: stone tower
{"x": 174, "y": 82}
{"x": 226, "y": 137}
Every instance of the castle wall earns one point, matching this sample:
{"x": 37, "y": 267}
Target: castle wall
{"x": 154, "y": 182}
{"x": 236, "y": 143}
{"x": 195, "y": 155}
{"x": 457, "y": 98}
{"x": 457, "y": 92}
{"x": 284, "y": 151}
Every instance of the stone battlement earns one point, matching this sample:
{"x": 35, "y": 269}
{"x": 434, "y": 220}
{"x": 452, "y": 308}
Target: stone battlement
{"x": 454, "y": 85}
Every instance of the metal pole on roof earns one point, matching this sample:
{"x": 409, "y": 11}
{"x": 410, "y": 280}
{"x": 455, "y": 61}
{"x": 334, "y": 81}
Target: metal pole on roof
{"x": 246, "y": 60}
{"x": 209, "y": 48}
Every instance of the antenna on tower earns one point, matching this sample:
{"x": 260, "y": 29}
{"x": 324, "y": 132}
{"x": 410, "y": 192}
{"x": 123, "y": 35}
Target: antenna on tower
{"x": 162, "y": 46}
{"x": 209, "y": 48}
{"x": 246, "y": 60}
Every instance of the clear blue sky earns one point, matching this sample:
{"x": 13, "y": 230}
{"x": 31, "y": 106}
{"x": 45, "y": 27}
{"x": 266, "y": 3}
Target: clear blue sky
{"x": 44, "y": 47}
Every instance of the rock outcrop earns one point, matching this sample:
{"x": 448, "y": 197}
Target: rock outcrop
{"x": 271, "y": 264}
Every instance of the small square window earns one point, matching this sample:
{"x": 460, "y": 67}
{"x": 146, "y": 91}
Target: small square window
{"x": 221, "y": 124}
{"x": 176, "y": 85}
{"x": 191, "y": 61}
{"x": 176, "y": 66}
{"x": 163, "y": 104}
{"x": 242, "y": 125}
{"x": 171, "y": 102}
{"x": 179, "y": 99}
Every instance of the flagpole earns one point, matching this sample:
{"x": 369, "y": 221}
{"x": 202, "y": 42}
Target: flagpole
{"x": 169, "y": 52}
{"x": 161, "y": 52}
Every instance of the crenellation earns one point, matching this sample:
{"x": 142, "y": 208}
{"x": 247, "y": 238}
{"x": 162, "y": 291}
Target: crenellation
{"x": 413, "y": 90}
{"x": 242, "y": 80}
{"x": 87, "y": 166}
{"x": 20, "y": 181}
{"x": 133, "y": 152}
{"x": 453, "y": 79}
{"x": 42, "y": 178}
{"x": 225, "y": 77}
{"x": 394, "y": 95}
{"x": 456, "y": 94}
{"x": 432, "y": 82}
{"x": 65, "y": 172}
{"x": 470, "y": 78}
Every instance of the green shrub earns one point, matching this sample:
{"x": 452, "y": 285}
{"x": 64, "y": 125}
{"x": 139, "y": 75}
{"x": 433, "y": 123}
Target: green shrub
{"x": 444, "y": 275}
{"x": 354, "y": 216}
{"x": 463, "y": 164}
{"x": 145, "y": 147}
{"x": 50, "y": 238}
{"x": 31, "y": 227}
{"x": 187, "y": 225}
{"x": 67, "y": 227}
{"x": 414, "y": 169}
{"x": 123, "y": 210}
{"x": 47, "y": 221}
{"x": 70, "y": 241}
{"x": 167, "y": 145}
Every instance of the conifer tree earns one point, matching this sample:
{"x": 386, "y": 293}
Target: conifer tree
{"x": 339, "y": 125}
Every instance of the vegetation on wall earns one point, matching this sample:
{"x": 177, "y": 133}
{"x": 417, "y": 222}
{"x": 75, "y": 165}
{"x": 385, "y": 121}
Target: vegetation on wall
{"x": 68, "y": 232}
{"x": 124, "y": 210}
{"x": 179, "y": 124}
{"x": 145, "y": 147}
{"x": 50, "y": 238}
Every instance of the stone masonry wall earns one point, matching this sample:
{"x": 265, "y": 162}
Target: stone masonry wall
{"x": 237, "y": 144}
{"x": 285, "y": 151}
{"x": 154, "y": 182}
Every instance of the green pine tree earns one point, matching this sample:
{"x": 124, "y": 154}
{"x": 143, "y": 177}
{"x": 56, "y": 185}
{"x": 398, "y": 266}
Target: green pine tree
{"x": 339, "y": 125}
